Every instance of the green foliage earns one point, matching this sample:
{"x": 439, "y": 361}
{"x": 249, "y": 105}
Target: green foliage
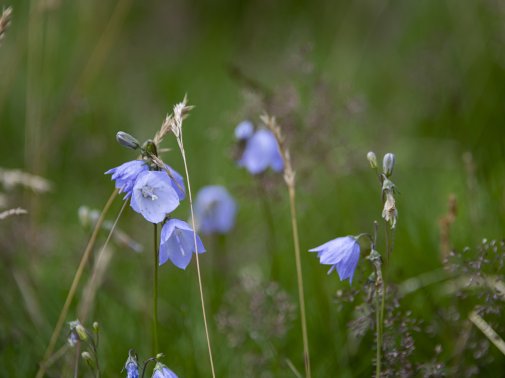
{"x": 424, "y": 80}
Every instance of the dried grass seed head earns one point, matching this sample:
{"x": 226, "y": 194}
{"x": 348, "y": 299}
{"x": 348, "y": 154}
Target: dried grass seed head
{"x": 5, "y": 20}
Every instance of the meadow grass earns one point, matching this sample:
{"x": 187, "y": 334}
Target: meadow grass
{"x": 421, "y": 79}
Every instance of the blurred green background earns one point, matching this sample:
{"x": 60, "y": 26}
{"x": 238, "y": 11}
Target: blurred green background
{"x": 422, "y": 79}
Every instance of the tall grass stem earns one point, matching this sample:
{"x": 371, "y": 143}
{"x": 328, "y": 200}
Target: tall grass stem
{"x": 299, "y": 278}
{"x": 73, "y": 288}
{"x": 200, "y": 286}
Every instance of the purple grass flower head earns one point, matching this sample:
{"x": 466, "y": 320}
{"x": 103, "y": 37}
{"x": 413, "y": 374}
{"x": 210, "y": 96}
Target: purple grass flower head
{"x": 215, "y": 210}
{"x": 342, "y": 254}
{"x": 262, "y": 152}
{"x": 153, "y": 196}
{"x": 126, "y": 174}
{"x": 177, "y": 243}
{"x": 162, "y": 371}
{"x": 177, "y": 182}
{"x": 244, "y": 130}
{"x": 131, "y": 366}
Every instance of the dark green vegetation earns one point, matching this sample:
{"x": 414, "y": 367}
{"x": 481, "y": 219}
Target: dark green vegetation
{"x": 422, "y": 79}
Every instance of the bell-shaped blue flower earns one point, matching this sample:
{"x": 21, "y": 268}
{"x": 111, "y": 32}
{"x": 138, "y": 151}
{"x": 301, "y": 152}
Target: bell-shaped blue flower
{"x": 153, "y": 196}
{"x": 262, "y": 152}
{"x": 126, "y": 174}
{"x": 162, "y": 371}
{"x": 342, "y": 254}
{"x": 131, "y": 366}
{"x": 244, "y": 130}
{"x": 177, "y": 243}
{"x": 215, "y": 210}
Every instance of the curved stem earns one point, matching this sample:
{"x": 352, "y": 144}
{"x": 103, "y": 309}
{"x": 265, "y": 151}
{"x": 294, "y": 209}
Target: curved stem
{"x": 73, "y": 288}
{"x": 200, "y": 286}
{"x": 155, "y": 291}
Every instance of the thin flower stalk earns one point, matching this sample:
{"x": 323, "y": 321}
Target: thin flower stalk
{"x": 99, "y": 269}
{"x": 73, "y": 288}
{"x": 155, "y": 290}
{"x": 174, "y": 123}
{"x": 375, "y": 258}
{"x": 289, "y": 179}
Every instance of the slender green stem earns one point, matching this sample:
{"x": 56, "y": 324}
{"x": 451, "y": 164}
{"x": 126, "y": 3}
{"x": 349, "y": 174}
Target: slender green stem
{"x": 378, "y": 336}
{"x": 77, "y": 358}
{"x": 155, "y": 291}
{"x": 200, "y": 286}
{"x": 296, "y": 241}
{"x": 380, "y": 291}
{"x": 73, "y": 287}
{"x": 272, "y": 242}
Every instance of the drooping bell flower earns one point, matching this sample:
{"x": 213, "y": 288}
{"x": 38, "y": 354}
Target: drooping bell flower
{"x": 215, "y": 210}
{"x": 262, "y": 152}
{"x": 342, "y": 254}
{"x": 177, "y": 243}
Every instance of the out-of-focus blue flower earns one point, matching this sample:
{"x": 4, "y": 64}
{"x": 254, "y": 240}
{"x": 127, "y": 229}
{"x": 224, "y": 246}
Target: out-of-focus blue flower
{"x": 73, "y": 336}
{"x": 126, "y": 174}
{"x": 177, "y": 243}
{"x": 215, "y": 210}
{"x": 342, "y": 254}
{"x": 131, "y": 366}
{"x": 162, "y": 371}
{"x": 153, "y": 196}
{"x": 177, "y": 182}
{"x": 244, "y": 130}
{"x": 261, "y": 152}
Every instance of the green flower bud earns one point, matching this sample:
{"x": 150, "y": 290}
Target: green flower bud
{"x": 149, "y": 148}
{"x": 83, "y": 214}
{"x": 81, "y": 331}
{"x": 388, "y": 163}
{"x": 126, "y": 140}
{"x": 372, "y": 159}
{"x": 86, "y": 356}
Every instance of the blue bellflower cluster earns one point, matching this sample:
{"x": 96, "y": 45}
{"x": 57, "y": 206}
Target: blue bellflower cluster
{"x": 132, "y": 368}
{"x": 155, "y": 194}
{"x": 261, "y": 149}
{"x": 215, "y": 210}
{"x": 342, "y": 254}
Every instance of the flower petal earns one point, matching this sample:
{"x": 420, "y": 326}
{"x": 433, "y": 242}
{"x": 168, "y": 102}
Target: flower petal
{"x": 153, "y": 196}
{"x": 177, "y": 243}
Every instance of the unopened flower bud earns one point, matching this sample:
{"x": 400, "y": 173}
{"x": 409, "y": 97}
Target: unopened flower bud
{"x": 83, "y": 214}
{"x": 86, "y": 356}
{"x": 81, "y": 331}
{"x": 388, "y": 163}
{"x": 372, "y": 159}
{"x": 159, "y": 356}
{"x": 126, "y": 140}
{"x": 131, "y": 366}
{"x": 149, "y": 148}
{"x": 96, "y": 326}
{"x": 244, "y": 130}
